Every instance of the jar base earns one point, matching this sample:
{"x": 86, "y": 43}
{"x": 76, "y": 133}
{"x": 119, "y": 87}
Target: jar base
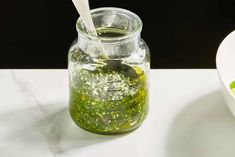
{"x": 108, "y": 133}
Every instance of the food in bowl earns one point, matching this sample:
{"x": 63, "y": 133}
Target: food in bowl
{"x": 232, "y": 87}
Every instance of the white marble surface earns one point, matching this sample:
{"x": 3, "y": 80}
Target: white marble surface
{"x": 188, "y": 118}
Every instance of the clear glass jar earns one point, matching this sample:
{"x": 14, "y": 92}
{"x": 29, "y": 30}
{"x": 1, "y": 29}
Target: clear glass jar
{"x": 108, "y": 74}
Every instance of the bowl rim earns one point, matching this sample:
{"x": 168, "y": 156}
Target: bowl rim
{"x": 218, "y": 54}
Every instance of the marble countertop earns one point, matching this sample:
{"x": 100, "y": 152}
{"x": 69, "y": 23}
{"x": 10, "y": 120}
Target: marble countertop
{"x": 188, "y": 118}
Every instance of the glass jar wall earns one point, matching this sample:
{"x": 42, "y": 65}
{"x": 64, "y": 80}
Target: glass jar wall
{"x": 108, "y": 73}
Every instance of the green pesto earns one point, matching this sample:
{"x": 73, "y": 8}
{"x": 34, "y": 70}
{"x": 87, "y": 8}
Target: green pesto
{"x": 111, "y": 99}
{"x": 232, "y": 85}
{"x": 111, "y": 32}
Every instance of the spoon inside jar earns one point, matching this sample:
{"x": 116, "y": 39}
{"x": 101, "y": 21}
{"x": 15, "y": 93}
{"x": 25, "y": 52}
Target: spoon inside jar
{"x": 83, "y": 9}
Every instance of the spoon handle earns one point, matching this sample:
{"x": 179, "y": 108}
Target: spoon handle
{"x": 83, "y": 9}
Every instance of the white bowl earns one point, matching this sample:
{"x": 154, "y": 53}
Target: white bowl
{"x": 225, "y": 63}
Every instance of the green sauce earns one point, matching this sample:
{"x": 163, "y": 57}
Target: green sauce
{"x": 111, "y": 32}
{"x": 232, "y": 87}
{"x": 106, "y": 95}
{"x": 111, "y": 99}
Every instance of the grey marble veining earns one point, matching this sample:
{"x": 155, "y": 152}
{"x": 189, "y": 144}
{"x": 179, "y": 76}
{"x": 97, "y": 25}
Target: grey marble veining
{"x": 27, "y": 92}
{"x": 40, "y": 127}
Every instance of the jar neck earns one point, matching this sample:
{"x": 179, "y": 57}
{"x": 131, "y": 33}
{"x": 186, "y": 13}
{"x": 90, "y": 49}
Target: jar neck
{"x": 118, "y": 33}
{"x": 114, "y": 49}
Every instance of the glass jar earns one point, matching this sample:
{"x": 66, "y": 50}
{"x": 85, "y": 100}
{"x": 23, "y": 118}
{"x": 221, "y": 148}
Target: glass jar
{"x": 108, "y": 73}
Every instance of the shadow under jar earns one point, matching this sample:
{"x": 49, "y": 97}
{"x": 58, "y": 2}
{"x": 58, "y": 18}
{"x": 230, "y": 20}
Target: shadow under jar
{"x": 108, "y": 73}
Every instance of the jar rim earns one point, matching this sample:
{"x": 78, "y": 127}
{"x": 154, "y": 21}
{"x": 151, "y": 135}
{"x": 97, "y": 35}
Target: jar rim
{"x": 113, "y": 10}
